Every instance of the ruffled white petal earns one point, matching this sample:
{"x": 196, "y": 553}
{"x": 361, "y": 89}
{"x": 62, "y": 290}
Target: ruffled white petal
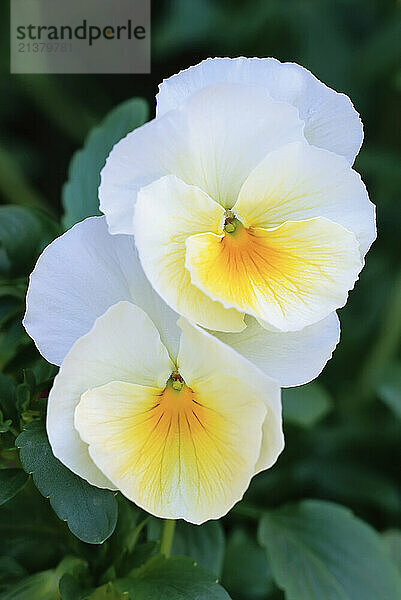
{"x": 292, "y": 358}
{"x": 123, "y": 345}
{"x": 298, "y": 182}
{"x": 169, "y": 211}
{"x": 212, "y": 141}
{"x": 77, "y": 278}
{"x": 331, "y": 121}
{"x": 144, "y": 155}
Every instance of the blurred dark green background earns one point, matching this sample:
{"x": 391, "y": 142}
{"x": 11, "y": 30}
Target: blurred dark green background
{"x": 343, "y": 433}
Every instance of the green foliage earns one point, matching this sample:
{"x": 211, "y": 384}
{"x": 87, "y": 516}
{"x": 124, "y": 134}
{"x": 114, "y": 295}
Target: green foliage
{"x": 389, "y": 389}
{"x": 91, "y": 513}
{"x": 246, "y": 573}
{"x": 70, "y": 589}
{"x": 10, "y": 572}
{"x": 108, "y": 592}
{"x": 30, "y": 533}
{"x": 80, "y": 196}
{"x": 392, "y": 543}
{"x": 306, "y": 405}
{"x": 172, "y": 579}
{"x": 11, "y": 481}
{"x": 205, "y": 543}
{"x": 23, "y": 234}
{"x": 43, "y": 585}
{"x": 321, "y": 550}
{"x": 7, "y": 400}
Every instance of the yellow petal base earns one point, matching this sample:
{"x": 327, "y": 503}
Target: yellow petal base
{"x": 170, "y": 451}
{"x": 289, "y": 276}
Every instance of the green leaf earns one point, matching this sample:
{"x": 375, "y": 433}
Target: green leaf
{"x": 12, "y": 339}
{"x": 70, "y": 588}
{"x": 30, "y": 532}
{"x": 75, "y": 583}
{"x": 41, "y": 586}
{"x": 176, "y": 578}
{"x": 119, "y": 543}
{"x": 306, "y": 405}
{"x": 246, "y": 572}
{"x": 7, "y": 398}
{"x": 4, "y": 424}
{"x": 44, "y": 585}
{"x": 204, "y": 543}
{"x": 108, "y": 592}
{"x": 11, "y": 481}
{"x": 389, "y": 388}
{"x": 392, "y": 542}
{"x": 24, "y": 232}
{"x": 139, "y": 556}
{"x": 321, "y": 550}
{"x": 350, "y": 482}
{"x": 10, "y": 570}
{"x": 80, "y": 193}
{"x": 91, "y": 513}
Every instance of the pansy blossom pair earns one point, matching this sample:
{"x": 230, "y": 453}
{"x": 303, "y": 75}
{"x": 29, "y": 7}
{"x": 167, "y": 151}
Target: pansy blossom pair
{"x": 234, "y": 228}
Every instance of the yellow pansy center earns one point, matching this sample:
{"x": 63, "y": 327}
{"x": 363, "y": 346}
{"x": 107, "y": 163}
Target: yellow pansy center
{"x": 176, "y": 404}
{"x": 178, "y": 411}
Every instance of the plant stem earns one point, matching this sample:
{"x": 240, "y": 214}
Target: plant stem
{"x": 166, "y": 541}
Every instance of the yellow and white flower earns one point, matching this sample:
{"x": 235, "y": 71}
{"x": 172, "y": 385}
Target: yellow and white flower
{"x": 171, "y": 416}
{"x": 241, "y": 196}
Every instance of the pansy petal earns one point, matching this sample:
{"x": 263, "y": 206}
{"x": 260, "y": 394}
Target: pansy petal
{"x": 188, "y": 452}
{"x": 290, "y": 276}
{"x": 123, "y": 345}
{"x": 77, "y": 278}
{"x": 298, "y": 182}
{"x": 292, "y": 358}
{"x": 167, "y": 212}
{"x": 213, "y": 141}
{"x": 331, "y": 121}
{"x": 221, "y": 373}
{"x": 143, "y": 156}
{"x": 229, "y": 129}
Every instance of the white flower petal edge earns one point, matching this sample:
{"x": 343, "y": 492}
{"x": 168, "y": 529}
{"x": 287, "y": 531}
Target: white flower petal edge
{"x": 298, "y": 182}
{"x": 123, "y": 345}
{"x": 213, "y": 141}
{"x": 87, "y": 270}
{"x": 77, "y": 278}
{"x": 188, "y": 451}
{"x": 292, "y": 358}
{"x": 331, "y": 121}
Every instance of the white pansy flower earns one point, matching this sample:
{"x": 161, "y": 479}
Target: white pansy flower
{"x": 171, "y": 416}
{"x": 241, "y": 196}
